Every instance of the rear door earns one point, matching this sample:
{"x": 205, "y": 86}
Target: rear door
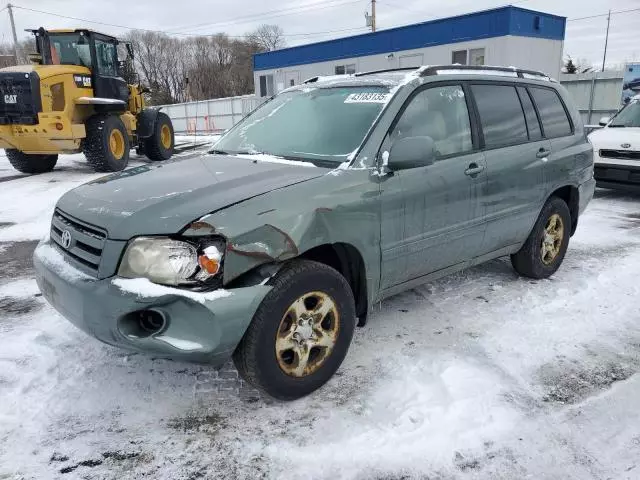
{"x": 515, "y": 153}
{"x": 566, "y": 149}
{"x": 431, "y": 215}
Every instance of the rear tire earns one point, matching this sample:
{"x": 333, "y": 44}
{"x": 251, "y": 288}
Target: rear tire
{"x": 107, "y": 143}
{"x": 26, "y": 163}
{"x": 543, "y": 252}
{"x": 159, "y": 146}
{"x": 319, "y": 339}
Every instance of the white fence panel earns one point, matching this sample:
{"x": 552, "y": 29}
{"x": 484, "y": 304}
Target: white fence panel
{"x": 210, "y": 116}
{"x": 596, "y": 94}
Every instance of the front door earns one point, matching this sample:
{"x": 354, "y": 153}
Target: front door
{"x": 431, "y": 216}
{"x": 106, "y": 81}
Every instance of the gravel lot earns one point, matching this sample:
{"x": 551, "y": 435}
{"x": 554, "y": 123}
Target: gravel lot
{"x": 479, "y": 375}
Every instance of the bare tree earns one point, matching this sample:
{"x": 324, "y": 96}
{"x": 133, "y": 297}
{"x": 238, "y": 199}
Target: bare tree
{"x": 267, "y": 37}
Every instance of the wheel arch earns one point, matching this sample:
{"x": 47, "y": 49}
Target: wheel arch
{"x": 146, "y": 122}
{"x": 571, "y": 196}
{"x": 342, "y": 257}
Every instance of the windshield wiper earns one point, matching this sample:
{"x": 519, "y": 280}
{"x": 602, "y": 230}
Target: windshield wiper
{"x": 617, "y": 126}
{"x": 215, "y": 151}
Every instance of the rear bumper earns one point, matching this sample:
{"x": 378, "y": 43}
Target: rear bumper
{"x": 586, "y": 192}
{"x": 46, "y": 137}
{"x": 621, "y": 176}
{"x": 196, "y": 329}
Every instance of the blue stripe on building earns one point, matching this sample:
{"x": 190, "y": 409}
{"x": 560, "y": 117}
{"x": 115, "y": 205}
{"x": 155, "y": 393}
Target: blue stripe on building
{"x": 492, "y": 23}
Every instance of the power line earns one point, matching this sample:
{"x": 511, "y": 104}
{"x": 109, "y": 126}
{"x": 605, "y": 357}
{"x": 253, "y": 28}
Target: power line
{"x": 176, "y": 33}
{"x": 271, "y": 14}
{"x": 613, "y": 12}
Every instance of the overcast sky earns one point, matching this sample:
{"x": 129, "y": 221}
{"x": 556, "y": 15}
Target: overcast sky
{"x": 308, "y": 21}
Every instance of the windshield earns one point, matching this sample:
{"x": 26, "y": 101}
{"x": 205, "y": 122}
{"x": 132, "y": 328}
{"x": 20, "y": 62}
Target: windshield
{"x": 70, "y": 49}
{"x": 314, "y": 124}
{"x": 629, "y": 116}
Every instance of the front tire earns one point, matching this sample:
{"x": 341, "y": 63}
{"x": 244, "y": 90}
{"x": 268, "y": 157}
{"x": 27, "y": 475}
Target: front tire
{"x": 300, "y": 333}
{"x": 107, "y": 143}
{"x": 26, "y": 163}
{"x": 544, "y": 250}
{"x": 159, "y": 146}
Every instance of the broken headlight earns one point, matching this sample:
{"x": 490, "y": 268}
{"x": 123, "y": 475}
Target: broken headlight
{"x": 172, "y": 262}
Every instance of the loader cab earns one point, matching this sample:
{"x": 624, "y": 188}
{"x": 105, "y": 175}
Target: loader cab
{"x": 85, "y": 48}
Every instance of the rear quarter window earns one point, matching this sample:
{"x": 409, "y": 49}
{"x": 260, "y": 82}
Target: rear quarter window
{"x": 555, "y": 121}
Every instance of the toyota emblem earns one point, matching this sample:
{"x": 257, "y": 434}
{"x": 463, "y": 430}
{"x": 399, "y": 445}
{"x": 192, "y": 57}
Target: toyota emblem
{"x": 626, "y": 145}
{"x": 66, "y": 239}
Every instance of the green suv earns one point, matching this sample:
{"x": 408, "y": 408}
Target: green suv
{"x": 328, "y": 198}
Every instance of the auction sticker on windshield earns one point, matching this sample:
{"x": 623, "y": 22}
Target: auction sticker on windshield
{"x": 367, "y": 97}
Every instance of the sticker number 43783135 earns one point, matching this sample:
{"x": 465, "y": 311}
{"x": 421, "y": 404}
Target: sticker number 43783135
{"x": 367, "y": 97}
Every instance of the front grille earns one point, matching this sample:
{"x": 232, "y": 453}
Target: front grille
{"x": 87, "y": 241}
{"x": 621, "y": 154}
{"x": 19, "y": 98}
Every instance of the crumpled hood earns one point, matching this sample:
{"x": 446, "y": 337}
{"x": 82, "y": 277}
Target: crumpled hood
{"x": 162, "y": 198}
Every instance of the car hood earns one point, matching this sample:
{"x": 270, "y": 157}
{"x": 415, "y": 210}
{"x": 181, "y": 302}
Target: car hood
{"x": 162, "y": 198}
{"x": 615, "y": 137}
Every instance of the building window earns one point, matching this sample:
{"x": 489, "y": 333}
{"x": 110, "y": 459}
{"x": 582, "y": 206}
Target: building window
{"x": 266, "y": 85}
{"x": 292, "y": 82}
{"x": 474, "y": 56}
{"x": 459, "y": 56}
{"x": 348, "y": 69}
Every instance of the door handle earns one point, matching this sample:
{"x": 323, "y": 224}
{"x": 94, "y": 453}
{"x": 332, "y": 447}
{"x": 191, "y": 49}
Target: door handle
{"x": 543, "y": 153}
{"x": 474, "y": 169}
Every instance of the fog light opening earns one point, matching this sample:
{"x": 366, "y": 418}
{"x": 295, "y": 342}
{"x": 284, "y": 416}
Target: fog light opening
{"x": 142, "y": 324}
{"x": 151, "y": 321}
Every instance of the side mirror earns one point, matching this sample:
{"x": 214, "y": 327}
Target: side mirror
{"x": 604, "y": 120}
{"x": 411, "y": 152}
{"x": 35, "y": 58}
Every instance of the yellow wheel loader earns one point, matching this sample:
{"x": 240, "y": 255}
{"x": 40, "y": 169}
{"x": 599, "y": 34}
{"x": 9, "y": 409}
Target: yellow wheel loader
{"x": 73, "y": 99}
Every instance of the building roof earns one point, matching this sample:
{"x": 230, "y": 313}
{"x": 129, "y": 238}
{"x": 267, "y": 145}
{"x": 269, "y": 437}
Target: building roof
{"x": 496, "y": 22}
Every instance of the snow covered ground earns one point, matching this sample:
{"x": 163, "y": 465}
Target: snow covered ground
{"x": 479, "y": 375}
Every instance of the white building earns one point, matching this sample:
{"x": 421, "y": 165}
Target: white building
{"x": 507, "y": 36}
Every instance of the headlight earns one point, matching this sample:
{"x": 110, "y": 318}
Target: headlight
{"x": 171, "y": 262}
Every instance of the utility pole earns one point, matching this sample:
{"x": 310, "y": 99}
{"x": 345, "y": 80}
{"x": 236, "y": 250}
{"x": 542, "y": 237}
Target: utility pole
{"x": 606, "y": 40}
{"x": 13, "y": 30}
{"x": 373, "y": 15}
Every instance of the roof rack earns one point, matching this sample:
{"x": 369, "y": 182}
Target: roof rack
{"x": 430, "y": 70}
{"x": 486, "y": 69}
{"x": 386, "y": 70}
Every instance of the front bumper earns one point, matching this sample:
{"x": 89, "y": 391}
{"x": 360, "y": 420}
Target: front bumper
{"x": 198, "y": 330}
{"x": 621, "y": 175}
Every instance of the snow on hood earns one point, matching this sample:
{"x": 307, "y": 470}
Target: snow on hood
{"x": 164, "y": 197}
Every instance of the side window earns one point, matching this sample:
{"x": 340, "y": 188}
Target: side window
{"x": 106, "y": 58}
{"x": 440, "y": 113}
{"x": 501, "y": 115}
{"x": 533, "y": 126}
{"x": 555, "y": 122}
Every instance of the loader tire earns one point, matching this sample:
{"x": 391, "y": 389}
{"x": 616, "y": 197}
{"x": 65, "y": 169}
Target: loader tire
{"x": 107, "y": 143}
{"x": 26, "y": 163}
{"x": 159, "y": 146}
